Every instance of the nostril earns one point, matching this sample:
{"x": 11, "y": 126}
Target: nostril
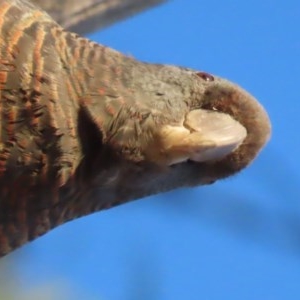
{"x": 205, "y": 76}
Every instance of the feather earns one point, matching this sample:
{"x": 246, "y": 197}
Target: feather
{"x": 84, "y": 127}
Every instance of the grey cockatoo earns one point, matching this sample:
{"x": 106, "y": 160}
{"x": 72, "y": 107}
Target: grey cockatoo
{"x": 84, "y": 127}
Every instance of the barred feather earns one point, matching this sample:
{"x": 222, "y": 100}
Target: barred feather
{"x": 84, "y": 128}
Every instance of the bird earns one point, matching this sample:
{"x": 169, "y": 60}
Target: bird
{"x": 84, "y": 127}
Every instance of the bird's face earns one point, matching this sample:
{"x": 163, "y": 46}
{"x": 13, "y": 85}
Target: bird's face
{"x": 198, "y": 128}
{"x": 204, "y": 118}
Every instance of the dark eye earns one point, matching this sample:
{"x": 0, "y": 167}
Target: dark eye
{"x": 205, "y": 76}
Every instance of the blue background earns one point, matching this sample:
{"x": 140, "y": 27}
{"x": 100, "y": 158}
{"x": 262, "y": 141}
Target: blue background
{"x": 237, "y": 239}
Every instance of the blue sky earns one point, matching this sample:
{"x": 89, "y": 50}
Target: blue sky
{"x": 237, "y": 239}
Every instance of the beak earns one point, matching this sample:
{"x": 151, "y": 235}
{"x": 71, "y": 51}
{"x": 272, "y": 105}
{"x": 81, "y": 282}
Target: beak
{"x": 218, "y": 129}
{"x": 227, "y": 131}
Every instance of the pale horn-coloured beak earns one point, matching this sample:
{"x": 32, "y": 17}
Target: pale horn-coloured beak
{"x": 218, "y": 129}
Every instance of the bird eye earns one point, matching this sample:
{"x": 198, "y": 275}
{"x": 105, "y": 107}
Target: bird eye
{"x": 205, "y": 76}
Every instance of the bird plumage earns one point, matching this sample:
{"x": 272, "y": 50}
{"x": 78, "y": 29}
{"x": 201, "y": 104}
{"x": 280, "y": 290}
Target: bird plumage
{"x": 84, "y": 127}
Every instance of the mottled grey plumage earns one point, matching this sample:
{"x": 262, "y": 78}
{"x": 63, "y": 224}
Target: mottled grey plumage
{"x": 84, "y": 127}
